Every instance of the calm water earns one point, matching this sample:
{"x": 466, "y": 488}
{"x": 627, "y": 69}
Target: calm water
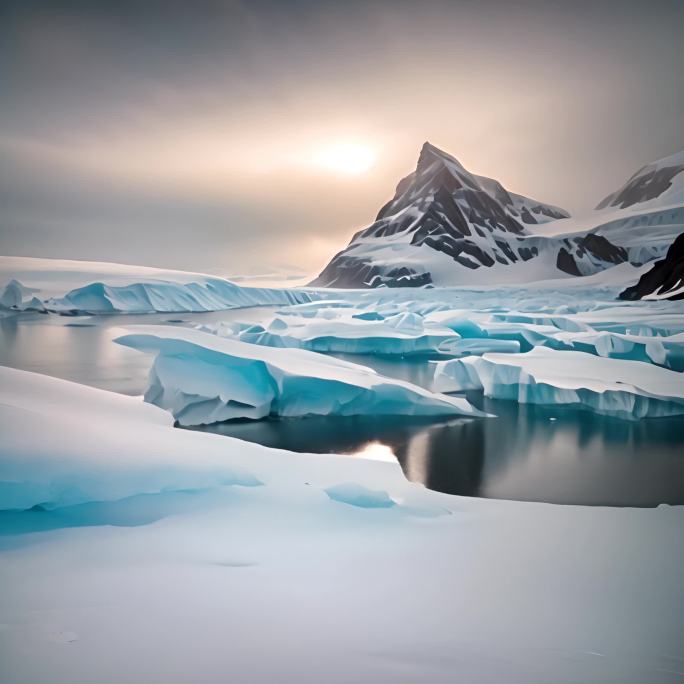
{"x": 527, "y": 452}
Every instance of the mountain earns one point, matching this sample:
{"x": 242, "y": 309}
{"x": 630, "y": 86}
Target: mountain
{"x": 447, "y": 226}
{"x": 665, "y": 280}
{"x": 646, "y": 214}
{"x": 660, "y": 183}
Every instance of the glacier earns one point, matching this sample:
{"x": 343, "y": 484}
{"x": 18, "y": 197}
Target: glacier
{"x": 620, "y": 388}
{"x": 202, "y": 379}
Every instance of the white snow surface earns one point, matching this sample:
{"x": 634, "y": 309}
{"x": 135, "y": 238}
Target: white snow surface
{"x": 202, "y": 378}
{"x": 63, "y": 285}
{"x": 333, "y": 569}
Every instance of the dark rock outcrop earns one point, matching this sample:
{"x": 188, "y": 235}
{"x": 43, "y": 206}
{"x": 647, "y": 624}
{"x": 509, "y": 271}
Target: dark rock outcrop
{"x": 666, "y": 276}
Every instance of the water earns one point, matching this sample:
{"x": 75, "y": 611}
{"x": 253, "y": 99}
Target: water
{"x": 527, "y": 452}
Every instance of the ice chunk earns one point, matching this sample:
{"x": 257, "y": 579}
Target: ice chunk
{"x": 664, "y": 351}
{"x": 625, "y": 389}
{"x": 402, "y": 334}
{"x": 355, "y": 494}
{"x": 19, "y": 298}
{"x": 455, "y": 375}
{"x": 201, "y": 378}
{"x": 480, "y": 346}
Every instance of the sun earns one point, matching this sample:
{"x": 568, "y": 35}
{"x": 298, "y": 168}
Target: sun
{"x": 351, "y": 159}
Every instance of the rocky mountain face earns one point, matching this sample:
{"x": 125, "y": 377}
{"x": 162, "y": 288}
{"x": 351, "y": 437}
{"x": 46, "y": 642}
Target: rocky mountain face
{"x": 444, "y": 225}
{"x": 662, "y": 180}
{"x": 665, "y": 280}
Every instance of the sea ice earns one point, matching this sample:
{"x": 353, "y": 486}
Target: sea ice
{"x": 201, "y": 378}
{"x": 335, "y": 330}
{"x": 622, "y": 388}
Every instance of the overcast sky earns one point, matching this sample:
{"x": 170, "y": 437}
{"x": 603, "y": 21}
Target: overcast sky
{"x": 191, "y": 134}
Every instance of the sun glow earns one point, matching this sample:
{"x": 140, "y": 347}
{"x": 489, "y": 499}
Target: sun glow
{"x": 347, "y": 158}
{"x": 376, "y": 451}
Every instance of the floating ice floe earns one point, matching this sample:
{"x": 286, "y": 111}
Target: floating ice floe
{"x": 663, "y": 351}
{"x": 624, "y": 389}
{"x": 201, "y": 378}
{"x": 483, "y": 331}
{"x": 66, "y": 286}
{"x": 337, "y": 331}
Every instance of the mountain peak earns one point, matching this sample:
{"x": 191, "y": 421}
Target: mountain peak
{"x": 429, "y": 154}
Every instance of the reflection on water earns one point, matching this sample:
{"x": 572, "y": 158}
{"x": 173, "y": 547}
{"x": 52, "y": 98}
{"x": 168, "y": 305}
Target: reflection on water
{"x": 578, "y": 458}
{"x": 527, "y": 452}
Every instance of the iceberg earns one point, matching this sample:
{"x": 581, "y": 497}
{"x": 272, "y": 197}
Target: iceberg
{"x": 66, "y": 286}
{"x": 201, "y": 378}
{"x": 621, "y": 388}
{"x": 17, "y": 297}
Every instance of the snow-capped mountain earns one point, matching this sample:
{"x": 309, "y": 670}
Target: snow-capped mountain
{"x": 665, "y": 280}
{"x": 656, "y": 185}
{"x": 447, "y": 226}
{"x": 644, "y": 216}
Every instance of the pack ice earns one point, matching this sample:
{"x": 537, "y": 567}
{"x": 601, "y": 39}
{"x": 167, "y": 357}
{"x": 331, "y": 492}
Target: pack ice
{"x": 617, "y": 387}
{"x": 201, "y": 378}
{"x": 350, "y": 331}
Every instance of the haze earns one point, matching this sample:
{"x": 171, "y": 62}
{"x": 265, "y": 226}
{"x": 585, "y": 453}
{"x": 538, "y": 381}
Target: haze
{"x": 251, "y": 137}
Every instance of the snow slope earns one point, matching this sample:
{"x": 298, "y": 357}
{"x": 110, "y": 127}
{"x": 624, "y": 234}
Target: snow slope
{"x": 96, "y": 287}
{"x": 644, "y": 216}
{"x": 201, "y": 378}
{"x": 333, "y": 569}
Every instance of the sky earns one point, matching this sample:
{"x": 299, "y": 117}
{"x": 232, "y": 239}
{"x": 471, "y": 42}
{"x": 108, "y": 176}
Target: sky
{"x": 255, "y": 137}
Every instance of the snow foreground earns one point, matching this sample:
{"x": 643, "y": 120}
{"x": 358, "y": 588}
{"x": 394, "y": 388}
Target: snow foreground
{"x": 624, "y": 389}
{"x": 176, "y": 556}
{"x": 65, "y": 286}
{"x": 202, "y": 379}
